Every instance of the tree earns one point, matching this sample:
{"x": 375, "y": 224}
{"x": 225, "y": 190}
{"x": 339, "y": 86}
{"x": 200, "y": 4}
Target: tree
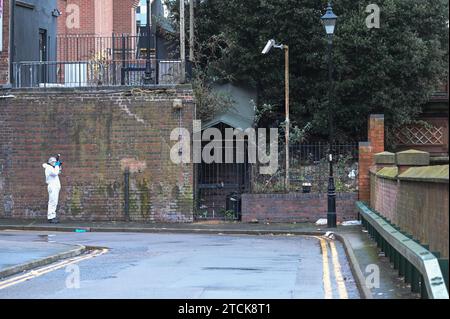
{"x": 392, "y": 69}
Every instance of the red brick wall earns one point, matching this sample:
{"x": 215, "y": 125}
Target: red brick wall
{"x": 418, "y": 208}
{"x": 4, "y": 54}
{"x": 384, "y": 198}
{"x": 102, "y": 17}
{"x": 375, "y": 132}
{"x": 87, "y": 17}
{"x": 295, "y": 207}
{"x": 98, "y": 133}
{"x": 367, "y": 150}
{"x": 124, "y": 18}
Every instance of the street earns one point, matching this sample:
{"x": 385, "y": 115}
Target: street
{"x": 189, "y": 266}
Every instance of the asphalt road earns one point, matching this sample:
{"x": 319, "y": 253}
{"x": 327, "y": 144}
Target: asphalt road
{"x": 190, "y": 266}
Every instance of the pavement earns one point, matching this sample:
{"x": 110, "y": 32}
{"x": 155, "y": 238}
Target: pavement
{"x": 360, "y": 252}
{"x": 17, "y": 256}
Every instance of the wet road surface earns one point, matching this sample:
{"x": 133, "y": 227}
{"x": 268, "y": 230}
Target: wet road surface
{"x": 191, "y": 266}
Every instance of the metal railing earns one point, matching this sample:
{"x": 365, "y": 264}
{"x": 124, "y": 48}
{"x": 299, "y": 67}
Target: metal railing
{"x": 79, "y": 47}
{"x": 418, "y": 266}
{"x": 309, "y": 169}
{"x": 98, "y": 73}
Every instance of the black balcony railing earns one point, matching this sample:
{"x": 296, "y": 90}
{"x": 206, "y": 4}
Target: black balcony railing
{"x": 91, "y": 60}
{"x": 99, "y": 73}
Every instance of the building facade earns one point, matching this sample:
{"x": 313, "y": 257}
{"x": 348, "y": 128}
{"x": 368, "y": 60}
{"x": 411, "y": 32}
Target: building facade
{"x": 99, "y": 17}
{"x": 28, "y": 34}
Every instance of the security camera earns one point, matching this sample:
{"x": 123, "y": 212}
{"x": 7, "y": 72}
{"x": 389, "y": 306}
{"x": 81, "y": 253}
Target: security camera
{"x": 268, "y": 46}
{"x": 56, "y": 13}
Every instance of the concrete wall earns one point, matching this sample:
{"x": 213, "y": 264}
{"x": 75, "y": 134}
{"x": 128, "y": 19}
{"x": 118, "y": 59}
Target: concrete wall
{"x": 296, "y": 207}
{"x": 99, "y": 133}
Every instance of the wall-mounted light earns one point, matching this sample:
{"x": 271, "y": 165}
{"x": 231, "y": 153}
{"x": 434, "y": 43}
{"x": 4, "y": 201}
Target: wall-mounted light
{"x": 56, "y": 13}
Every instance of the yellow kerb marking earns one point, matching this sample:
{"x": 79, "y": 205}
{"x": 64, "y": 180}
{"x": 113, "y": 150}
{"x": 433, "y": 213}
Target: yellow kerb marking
{"x": 326, "y": 270}
{"x": 337, "y": 272}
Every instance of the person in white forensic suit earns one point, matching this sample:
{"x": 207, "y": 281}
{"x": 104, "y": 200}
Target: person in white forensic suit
{"x": 52, "y": 171}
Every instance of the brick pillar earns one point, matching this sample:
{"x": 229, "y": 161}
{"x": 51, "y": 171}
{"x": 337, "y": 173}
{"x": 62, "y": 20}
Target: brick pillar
{"x": 365, "y": 161}
{"x": 375, "y": 132}
{"x": 367, "y": 151}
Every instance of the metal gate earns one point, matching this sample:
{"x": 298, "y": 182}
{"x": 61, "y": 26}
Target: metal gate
{"x": 219, "y": 186}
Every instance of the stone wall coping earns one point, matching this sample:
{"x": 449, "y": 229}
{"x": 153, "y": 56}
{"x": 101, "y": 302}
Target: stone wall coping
{"x": 388, "y": 173}
{"x": 434, "y": 174}
{"x": 384, "y": 158}
{"x": 101, "y": 88}
{"x": 412, "y": 158}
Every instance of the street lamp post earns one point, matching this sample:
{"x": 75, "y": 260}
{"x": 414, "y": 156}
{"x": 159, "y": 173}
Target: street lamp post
{"x": 148, "y": 65}
{"x": 272, "y": 44}
{"x": 329, "y": 22}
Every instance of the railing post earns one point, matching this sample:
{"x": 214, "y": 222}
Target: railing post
{"x": 127, "y": 194}
{"x": 415, "y": 285}
{"x": 113, "y": 58}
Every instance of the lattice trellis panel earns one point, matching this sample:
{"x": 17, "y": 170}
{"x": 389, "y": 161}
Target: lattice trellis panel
{"x": 420, "y": 135}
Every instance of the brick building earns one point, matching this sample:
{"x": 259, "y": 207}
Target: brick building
{"x": 36, "y": 23}
{"x": 99, "y": 17}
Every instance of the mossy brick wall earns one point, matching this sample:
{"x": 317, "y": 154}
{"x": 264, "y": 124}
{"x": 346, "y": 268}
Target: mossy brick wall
{"x": 99, "y": 133}
{"x": 419, "y": 207}
{"x": 296, "y": 207}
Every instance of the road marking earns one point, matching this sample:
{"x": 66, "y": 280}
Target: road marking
{"x": 44, "y": 270}
{"x": 326, "y": 270}
{"x": 337, "y": 272}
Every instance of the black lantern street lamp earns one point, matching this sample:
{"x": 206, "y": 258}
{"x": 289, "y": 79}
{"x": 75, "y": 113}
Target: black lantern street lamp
{"x": 148, "y": 65}
{"x": 329, "y": 22}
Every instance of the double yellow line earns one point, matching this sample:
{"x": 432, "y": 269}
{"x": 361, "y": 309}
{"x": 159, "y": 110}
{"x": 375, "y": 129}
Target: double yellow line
{"x": 342, "y": 290}
{"x": 44, "y": 270}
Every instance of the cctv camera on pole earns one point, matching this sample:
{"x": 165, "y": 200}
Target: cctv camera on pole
{"x": 268, "y": 46}
{"x": 272, "y": 44}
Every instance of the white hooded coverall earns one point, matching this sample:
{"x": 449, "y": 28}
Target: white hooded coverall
{"x": 54, "y": 186}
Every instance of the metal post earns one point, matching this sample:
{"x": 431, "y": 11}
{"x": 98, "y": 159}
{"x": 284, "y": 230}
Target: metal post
{"x": 286, "y": 79}
{"x": 415, "y": 285}
{"x": 191, "y": 30}
{"x": 148, "y": 67}
{"x": 182, "y": 43}
{"x": 113, "y": 58}
{"x": 127, "y": 194}
{"x": 122, "y": 82}
{"x": 331, "y": 214}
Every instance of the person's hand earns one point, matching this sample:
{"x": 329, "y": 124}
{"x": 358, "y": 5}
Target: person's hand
{"x": 58, "y": 163}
